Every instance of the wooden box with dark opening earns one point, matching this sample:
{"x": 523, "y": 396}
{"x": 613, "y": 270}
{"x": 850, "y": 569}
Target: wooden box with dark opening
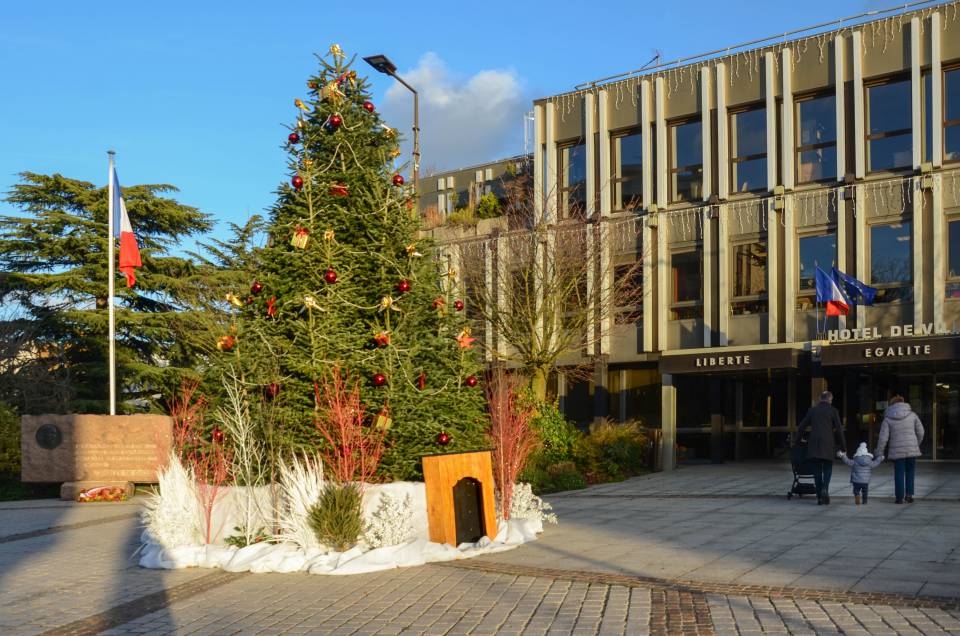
{"x": 460, "y": 491}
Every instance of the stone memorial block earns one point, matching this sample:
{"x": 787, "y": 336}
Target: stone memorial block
{"x": 94, "y": 449}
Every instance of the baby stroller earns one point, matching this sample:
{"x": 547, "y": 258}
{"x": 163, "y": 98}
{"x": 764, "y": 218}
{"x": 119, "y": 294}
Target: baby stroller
{"x": 803, "y": 483}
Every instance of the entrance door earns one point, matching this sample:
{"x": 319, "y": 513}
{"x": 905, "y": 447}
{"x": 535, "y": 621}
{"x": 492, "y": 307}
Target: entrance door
{"x": 946, "y": 430}
{"x": 875, "y": 392}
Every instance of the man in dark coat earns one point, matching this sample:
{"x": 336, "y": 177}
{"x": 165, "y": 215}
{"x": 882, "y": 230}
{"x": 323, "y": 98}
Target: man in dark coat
{"x": 826, "y": 436}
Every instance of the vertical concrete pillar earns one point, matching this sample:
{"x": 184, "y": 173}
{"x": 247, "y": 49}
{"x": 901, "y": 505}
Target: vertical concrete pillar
{"x": 539, "y": 157}
{"x": 860, "y": 246}
{"x": 709, "y": 260}
{"x": 722, "y": 143}
{"x": 917, "y": 244}
{"x": 663, "y": 283}
{"x": 589, "y": 128}
{"x": 915, "y": 93}
{"x": 842, "y": 207}
{"x": 856, "y": 53}
{"x": 723, "y": 277}
{"x": 936, "y": 86}
{"x": 668, "y": 421}
{"x": 774, "y": 275}
{"x": 662, "y": 167}
{"x": 939, "y": 257}
{"x": 647, "y": 145}
{"x": 648, "y": 251}
{"x": 786, "y": 71}
{"x": 601, "y": 390}
{"x": 769, "y": 79}
{"x": 550, "y": 186}
{"x": 707, "y": 132}
{"x": 603, "y": 123}
{"x": 839, "y": 67}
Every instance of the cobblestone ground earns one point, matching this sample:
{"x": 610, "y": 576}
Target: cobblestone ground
{"x": 68, "y": 569}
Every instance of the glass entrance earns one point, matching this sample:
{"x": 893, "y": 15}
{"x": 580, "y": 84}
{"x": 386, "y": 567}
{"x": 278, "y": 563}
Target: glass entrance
{"x": 946, "y": 429}
{"x": 874, "y": 392}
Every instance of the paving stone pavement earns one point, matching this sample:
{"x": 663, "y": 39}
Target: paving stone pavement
{"x": 657, "y": 556}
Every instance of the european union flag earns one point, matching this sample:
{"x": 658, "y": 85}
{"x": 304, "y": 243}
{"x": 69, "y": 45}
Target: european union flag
{"x": 855, "y": 288}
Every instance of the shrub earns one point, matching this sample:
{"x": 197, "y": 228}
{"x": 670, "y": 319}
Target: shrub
{"x": 462, "y": 216}
{"x": 488, "y": 206}
{"x": 558, "y": 435}
{"x": 337, "y": 518}
{"x": 9, "y": 442}
{"x": 565, "y": 476}
{"x": 612, "y": 451}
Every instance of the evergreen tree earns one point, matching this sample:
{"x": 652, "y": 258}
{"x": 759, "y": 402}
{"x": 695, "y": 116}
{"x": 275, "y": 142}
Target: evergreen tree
{"x": 53, "y": 284}
{"x": 347, "y": 283}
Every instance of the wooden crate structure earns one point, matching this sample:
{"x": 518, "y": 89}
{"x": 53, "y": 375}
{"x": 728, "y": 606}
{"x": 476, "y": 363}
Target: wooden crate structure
{"x": 470, "y": 475}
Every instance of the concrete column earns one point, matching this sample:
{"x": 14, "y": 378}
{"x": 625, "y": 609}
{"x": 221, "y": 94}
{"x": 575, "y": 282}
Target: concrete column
{"x": 723, "y": 277}
{"x": 647, "y": 145}
{"x": 723, "y": 145}
{"x": 856, "y": 52}
{"x": 488, "y": 280}
{"x": 601, "y": 390}
{"x": 550, "y": 187}
{"x": 589, "y": 128}
{"x": 649, "y": 317}
{"x": 839, "y": 68}
{"x": 605, "y": 171}
{"x": 709, "y": 258}
{"x": 707, "y": 135}
{"x": 939, "y": 256}
{"x": 916, "y": 242}
{"x": 860, "y": 246}
{"x": 773, "y": 270}
{"x": 663, "y": 282}
{"x": 936, "y": 92}
{"x": 789, "y": 270}
{"x": 538, "y": 161}
{"x": 668, "y": 421}
{"x": 842, "y": 206}
{"x": 770, "y": 83}
{"x": 786, "y": 71}
{"x": 662, "y": 167}
{"x": 917, "y": 109}
{"x": 605, "y": 281}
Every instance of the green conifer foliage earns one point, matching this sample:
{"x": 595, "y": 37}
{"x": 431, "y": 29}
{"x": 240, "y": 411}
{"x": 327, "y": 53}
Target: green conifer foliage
{"x": 350, "y": 284}
{"x": 53, "y": 290}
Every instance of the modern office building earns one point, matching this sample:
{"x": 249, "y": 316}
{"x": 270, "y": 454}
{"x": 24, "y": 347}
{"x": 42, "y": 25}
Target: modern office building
{"x": 735, "y": 175}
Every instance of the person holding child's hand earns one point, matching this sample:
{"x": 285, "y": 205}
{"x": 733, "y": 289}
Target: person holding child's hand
{"x": 862, "y": 466}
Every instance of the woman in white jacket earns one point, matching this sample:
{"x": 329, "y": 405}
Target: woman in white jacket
{"x": 902, "y": 429}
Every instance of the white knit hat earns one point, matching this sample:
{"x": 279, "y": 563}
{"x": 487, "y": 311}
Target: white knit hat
{"x": 862, "y": 450}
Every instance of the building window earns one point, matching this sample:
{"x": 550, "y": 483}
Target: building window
{"x": 628, "y": 287}
{"x": 816, "y": 126}
{"x": 686, "y": 161}
{"x": 627, "y": 171}
{"x": 572, "y": 180}
{"x": 686, "y": 267}
{"x": 749, "y": 278}
{"x": 813, "y": 252}
{"x": 889, "y": 126}
{"x": 748, "y": 150}
{"x": 891, "y": 262}
{"x": 951, "y": 115}
{"x": 953, "y": 259}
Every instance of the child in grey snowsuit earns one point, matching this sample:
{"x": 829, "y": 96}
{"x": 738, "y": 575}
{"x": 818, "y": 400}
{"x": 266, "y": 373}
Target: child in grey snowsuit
{"x": 862, "y": 465}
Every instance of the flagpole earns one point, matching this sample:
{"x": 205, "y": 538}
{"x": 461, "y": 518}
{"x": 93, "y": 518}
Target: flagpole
{"x": 110, "y": 276}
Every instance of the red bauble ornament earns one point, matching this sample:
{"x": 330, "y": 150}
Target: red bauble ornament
{"x": 272, "y": 307}
{"x": 339, "y": 190}
{"x": 379, "y": 379}
{"x": 443, "y": 439}
{"x": 330, "y": 276}
{"x": 368, "y": 106}
{"x": 458, "y": 305}
{"x": 217, "y": 436}
{"x": 273, "y": 389}
{"x": 297, "y": 182}
{"x": 336, "y": 121}
{"x": 471, "y": 381}
{"x": 438, "y": 303}
{"x": 256, "y": 287}
{"x": 403, "y": 286}
{"x": 293, "y": 138}
{"x": 398, "y": 180}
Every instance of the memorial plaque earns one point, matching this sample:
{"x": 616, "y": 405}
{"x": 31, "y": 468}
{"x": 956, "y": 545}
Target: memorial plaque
{"x": 94, "y": 448}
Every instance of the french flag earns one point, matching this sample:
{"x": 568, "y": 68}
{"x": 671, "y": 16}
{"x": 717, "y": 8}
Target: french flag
{"x": 129, "y": 251}
{"x": 829, "y": 292}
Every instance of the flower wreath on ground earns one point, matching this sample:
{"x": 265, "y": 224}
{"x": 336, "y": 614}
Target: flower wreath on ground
{"x": 395, "y": 532}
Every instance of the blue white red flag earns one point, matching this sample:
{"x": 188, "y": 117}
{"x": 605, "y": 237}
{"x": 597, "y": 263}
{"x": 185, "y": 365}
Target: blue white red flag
{"x": 854, "y": 287}
{"x": 129, "y": 251}
{"x": 829, "y": 292}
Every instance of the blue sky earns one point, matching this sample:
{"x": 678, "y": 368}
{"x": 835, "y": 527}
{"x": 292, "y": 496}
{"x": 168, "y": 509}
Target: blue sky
{"x": 196, "y": 94}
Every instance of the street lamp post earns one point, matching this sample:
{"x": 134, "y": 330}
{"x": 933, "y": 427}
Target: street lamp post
{"x": 383, "y": 64}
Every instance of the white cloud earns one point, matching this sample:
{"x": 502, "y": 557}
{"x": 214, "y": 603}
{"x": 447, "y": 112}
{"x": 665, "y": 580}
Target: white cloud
{"x": 462, "y": 121}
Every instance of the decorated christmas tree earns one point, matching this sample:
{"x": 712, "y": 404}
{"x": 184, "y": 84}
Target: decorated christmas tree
{"x": 345, "y": 283}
